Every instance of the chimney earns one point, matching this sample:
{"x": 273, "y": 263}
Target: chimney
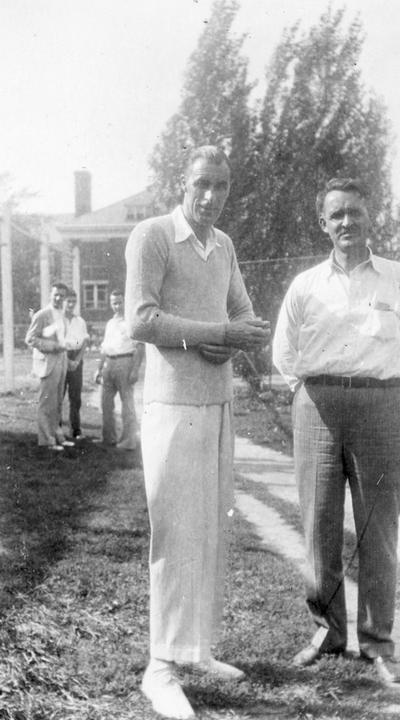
{"x": 83, "y": 192}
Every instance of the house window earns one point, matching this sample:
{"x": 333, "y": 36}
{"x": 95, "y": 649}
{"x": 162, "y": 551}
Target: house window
{"x": 95, "y": 295}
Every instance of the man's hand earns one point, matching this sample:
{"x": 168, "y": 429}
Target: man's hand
{"x": 72, "y": 365}
{"x": 247, "y": 334}
{"x": 98, "y": 377}
{"x": 217, "y": 354}
{"x": 133, "y": 376}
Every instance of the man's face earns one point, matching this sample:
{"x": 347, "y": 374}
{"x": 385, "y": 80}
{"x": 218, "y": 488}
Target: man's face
{"x": 57, "y": 297}
{"x": 206, "y": 187}
{"x": 117, "y": 304}
{"x": 345, "y": 219}
{"x": 69, "y": 305}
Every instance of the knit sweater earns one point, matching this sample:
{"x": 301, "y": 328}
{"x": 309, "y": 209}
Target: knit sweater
{"x": 174, "y": 301}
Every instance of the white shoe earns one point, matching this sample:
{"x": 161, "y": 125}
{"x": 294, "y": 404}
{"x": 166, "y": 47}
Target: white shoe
{"x": 54, "y": 448}
{"x": 68, "y": 443}
{"x": 220, "y": 669}
{"x": 162, "y": 688}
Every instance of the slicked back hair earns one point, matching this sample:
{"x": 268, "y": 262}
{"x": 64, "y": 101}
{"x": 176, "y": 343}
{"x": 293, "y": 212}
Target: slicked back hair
{"x": 60, "y": 286}
{"x": 211, "y": 153}
{"x": 345, "y": 185}
{"x": 116, "y": 291}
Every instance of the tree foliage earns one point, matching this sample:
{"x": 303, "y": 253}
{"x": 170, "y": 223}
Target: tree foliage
{"x": 214, "y": 108}
{"x": 317, "y": 121}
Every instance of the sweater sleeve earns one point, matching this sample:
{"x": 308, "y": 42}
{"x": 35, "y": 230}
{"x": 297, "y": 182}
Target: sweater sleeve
{"x": 147, "y": 255}
{"x": 239, "y": 304}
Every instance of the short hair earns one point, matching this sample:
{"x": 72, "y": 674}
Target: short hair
{"x": 59, "y": 285}
{"x": 345, "y": 185}
{"x": 212, "y": 153}
{"x": 116, "y": 291}
{"x": 71, "y": 293}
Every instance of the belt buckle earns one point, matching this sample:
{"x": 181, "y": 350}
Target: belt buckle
{"x": 346, "y": 382}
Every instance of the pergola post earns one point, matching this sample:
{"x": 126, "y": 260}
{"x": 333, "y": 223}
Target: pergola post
{"x": 7, "y": 298}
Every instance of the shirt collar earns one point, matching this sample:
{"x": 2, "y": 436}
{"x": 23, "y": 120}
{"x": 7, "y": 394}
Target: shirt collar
{"x": 183, "y": 231}
{"x": 371, "y": 261}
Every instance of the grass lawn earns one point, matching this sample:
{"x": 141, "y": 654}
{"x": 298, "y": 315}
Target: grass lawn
{"x": 74, "y": 591}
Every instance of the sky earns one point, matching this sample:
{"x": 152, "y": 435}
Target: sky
{"x": 92, "y": 83}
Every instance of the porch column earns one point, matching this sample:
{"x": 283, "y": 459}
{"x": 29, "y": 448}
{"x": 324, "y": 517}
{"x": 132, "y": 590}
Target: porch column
{"x": 76, "y": 275}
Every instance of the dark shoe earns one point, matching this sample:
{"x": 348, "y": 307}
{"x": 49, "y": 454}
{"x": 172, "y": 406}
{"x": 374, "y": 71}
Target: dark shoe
{"x": 388, "y": 669}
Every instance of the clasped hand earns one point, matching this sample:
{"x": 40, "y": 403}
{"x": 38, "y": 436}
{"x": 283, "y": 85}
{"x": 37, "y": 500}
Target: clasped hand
{"x": 239, "y": 335}
{"x": 247, "y": 334}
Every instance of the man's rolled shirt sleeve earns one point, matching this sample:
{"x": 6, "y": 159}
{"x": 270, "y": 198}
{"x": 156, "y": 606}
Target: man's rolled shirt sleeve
{"x": 238, "y": 304}
{"x": 285, "y": 343}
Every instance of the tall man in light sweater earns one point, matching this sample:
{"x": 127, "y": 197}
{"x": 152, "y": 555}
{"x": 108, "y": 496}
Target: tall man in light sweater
{"x": 186, "y": 299}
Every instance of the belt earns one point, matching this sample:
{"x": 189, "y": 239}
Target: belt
{"x": 114, "y": 357}
{"x": 352, "y": 382}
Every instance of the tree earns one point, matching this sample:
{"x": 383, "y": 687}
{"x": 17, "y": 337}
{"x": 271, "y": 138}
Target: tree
{"x": 214, "y": 109}
{"x": 317, "y": 122}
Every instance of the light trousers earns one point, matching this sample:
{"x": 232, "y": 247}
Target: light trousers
{"x": 350, "y": 435}
{"x": 51, "y": 393}
{"x": 188, "y": 467}
{"x": 116, "y": 379}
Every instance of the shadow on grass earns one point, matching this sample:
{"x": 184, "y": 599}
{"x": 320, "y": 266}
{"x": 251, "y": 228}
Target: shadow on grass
{"x": 43, "y": 496}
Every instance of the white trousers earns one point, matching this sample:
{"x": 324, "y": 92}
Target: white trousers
{"x": 188, "y": 467}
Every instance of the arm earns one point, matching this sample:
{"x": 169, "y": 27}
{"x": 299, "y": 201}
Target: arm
{"x": 285, "y": 343}
{"x": 73, "y": 364}
{"x": 243, "y": 331}
{"x": 138, "y": 355}
{"x": 147, "y": 263}
{"x": 34, "y": 338}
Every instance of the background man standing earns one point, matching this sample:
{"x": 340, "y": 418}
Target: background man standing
{"x": 118, "y": 370}
{"x": 337, "y": 344}
{"x": 46, "y": 336}
{"x": 76, "y": 340}
{"x": 185, "y": 297}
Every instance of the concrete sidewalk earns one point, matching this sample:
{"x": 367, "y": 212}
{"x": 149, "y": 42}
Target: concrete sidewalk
{"x": 275, "y": 470}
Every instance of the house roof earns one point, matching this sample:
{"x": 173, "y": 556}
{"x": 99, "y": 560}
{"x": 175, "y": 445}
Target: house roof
{"x": 123, "y": 212}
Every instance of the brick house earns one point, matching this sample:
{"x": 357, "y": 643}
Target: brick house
{"x": 93, "y": 247}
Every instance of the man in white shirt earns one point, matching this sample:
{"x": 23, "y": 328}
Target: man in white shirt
{"x": 118, "y": 370}
{"x": 337, "y": 344}
{"x": 46, "y": 336}
{"x": 76, "y": 340}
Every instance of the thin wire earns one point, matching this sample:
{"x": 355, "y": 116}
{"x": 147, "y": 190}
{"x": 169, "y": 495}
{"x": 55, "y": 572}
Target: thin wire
{"x": 281, "y": 259}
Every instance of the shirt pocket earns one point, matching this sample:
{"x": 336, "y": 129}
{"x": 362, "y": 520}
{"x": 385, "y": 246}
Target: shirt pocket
{"x": 380, "y": 324}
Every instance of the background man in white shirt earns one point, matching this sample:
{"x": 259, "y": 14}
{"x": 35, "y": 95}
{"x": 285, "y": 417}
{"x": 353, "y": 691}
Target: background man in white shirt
{"x": 118, "y": 370}
{"x": 337, "y": 344}
{"x": 76, "y": 340}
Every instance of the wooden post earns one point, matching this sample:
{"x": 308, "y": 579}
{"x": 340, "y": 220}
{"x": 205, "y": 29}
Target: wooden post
{"x": 44, "y": 266}
{"x": 7, "y": 298}
{"x": 76, "y": 275}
